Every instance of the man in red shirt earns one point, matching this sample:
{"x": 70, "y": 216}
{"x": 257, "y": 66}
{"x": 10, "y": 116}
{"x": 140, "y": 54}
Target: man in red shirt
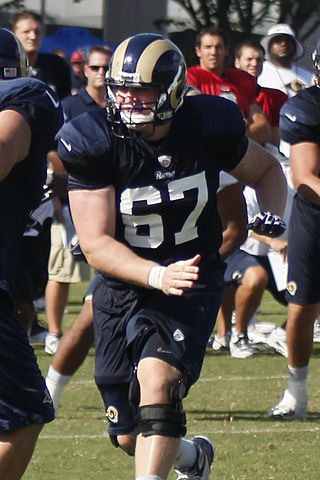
{"x": 249, "y": 56}
{"x": 213, "y": 78}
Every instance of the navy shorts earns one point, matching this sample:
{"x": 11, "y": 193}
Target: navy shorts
{"x": 304, "y": 253}
{"x": 237, "y": 265}
{"x": 24, "y": 398}
{"x": 183, "y": 325}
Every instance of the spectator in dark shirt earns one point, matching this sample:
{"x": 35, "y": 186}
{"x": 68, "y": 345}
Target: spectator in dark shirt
{"x": 48, "y": 67}
{"x": 94, "y": 92}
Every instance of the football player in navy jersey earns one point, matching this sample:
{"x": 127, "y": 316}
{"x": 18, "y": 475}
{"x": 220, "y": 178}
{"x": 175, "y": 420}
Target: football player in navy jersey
{"x": 300, "y": 127}
{"x": 142, "y": 189}
{"x": 30, "y": 116}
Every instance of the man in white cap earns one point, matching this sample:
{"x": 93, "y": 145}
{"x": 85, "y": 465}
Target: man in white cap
{"x": 279, "y": 68}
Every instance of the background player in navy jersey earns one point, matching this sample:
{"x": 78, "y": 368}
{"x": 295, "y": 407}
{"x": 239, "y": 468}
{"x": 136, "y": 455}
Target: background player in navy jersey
{"x": 142, "y": 189}
{"x": 300, "y": 127}
{"x": 55, "y": 71}
{"x": 30, "y": 116}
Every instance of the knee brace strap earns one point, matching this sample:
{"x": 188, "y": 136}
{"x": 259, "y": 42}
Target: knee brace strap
{"x": 160, "y": 419}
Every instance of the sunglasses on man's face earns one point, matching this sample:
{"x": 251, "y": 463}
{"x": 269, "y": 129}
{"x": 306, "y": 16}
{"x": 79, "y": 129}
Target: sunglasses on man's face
{"x": 96, "y": 68}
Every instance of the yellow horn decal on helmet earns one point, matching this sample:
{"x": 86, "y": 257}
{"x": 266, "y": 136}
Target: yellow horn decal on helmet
{"x": 118, "y": 58}
{"x": 149, "y": 58}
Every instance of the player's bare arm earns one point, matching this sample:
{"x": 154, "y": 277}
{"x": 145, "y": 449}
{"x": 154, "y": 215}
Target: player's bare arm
{"x": 15, "y": 140}
{"x": 94, "y": 215}
{"x": 305, "y": 174}
{"x": 233, "y": 213}
{"x": 258, "y": 128}
{"x": 262, "y": 171}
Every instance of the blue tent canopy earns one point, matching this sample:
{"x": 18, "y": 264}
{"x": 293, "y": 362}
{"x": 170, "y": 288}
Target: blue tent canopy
{"x": 70, "y": 39}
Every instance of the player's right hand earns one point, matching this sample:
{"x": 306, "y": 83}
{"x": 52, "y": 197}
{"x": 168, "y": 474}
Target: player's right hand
{"x": 180, "y": 275}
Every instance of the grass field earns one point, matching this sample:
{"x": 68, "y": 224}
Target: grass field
{"x": 228, "y": 404}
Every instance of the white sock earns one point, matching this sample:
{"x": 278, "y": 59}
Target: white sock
{"x": 186, "y": 455}
{"x": 297, "y": 379}
{"x": 55, "y": 383}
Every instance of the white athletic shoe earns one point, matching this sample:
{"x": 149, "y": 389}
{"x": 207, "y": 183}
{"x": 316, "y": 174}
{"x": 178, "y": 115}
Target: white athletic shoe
{"x": 255, "y": 336}
{"x": 205, "y": 456}
{"x": 316, "y": 331}
{"x": 290, "y": 407}
{"x": 261, "y": 327}
{"x": 51, "y": 343}
{"x": 240, "y": 347}
{"x": 221, "y": 343}
{"x": 277, "y": 340}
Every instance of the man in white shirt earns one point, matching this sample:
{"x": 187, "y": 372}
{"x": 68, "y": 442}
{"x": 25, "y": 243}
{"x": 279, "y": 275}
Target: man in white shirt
{"x": 279, "y": 68}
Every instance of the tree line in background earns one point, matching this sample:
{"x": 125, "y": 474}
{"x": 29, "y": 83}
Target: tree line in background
{"x": 247, "y": 16}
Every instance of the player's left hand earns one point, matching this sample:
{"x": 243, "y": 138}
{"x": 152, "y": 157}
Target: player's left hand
{"x": 268, "y": 224}
{"x": 180, "y": 275}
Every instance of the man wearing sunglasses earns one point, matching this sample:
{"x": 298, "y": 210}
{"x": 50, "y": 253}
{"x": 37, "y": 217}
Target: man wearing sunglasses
{"x": 91, "y": 96}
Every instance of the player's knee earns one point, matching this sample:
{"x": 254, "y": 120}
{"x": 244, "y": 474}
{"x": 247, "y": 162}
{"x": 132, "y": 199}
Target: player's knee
{"x": 161, "y": 419}
{"x": 168, "y": 420}
{"x": 255, "y": 278}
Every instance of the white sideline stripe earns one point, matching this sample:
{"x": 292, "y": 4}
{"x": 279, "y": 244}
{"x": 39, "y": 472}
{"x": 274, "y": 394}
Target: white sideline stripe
{"x": 240, "y": 378}
{"x": 213, "y": 379}
{"x": 213, "y": 432}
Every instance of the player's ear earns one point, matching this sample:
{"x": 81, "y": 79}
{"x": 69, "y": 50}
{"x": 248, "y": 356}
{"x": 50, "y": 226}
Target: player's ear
{"x": 237, "y": 63}
{"x": 198, "y": 52}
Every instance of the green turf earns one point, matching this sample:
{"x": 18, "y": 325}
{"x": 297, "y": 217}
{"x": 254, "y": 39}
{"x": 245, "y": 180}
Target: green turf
{"x": 228, "y": 404}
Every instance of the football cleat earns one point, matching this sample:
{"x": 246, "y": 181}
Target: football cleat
{"x": 290, "y": 407}
{"x": 205, "y": 456}
{"x": 221, "y": 343}
{"x": 277, "y": 340}
{"x": 240, "y": 347}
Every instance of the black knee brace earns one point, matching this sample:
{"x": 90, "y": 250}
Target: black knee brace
{"x": 161, "y": 419}
{"x": 168, "y": 420}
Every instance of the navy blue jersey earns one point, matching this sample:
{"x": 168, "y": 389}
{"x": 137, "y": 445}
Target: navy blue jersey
{"x": 21, "y": 190}
{"x": 300, "y": 117}
{"x": 166, "y": 198}
{"x": 75, "y": 105}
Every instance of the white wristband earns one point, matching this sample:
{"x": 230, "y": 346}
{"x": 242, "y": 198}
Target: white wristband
{"x": 155, "y": 277}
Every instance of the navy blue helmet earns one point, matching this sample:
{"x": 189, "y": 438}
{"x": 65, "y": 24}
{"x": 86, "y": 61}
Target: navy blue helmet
{"x": 13, "y": 58}
{"x": 146, "y": 61}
